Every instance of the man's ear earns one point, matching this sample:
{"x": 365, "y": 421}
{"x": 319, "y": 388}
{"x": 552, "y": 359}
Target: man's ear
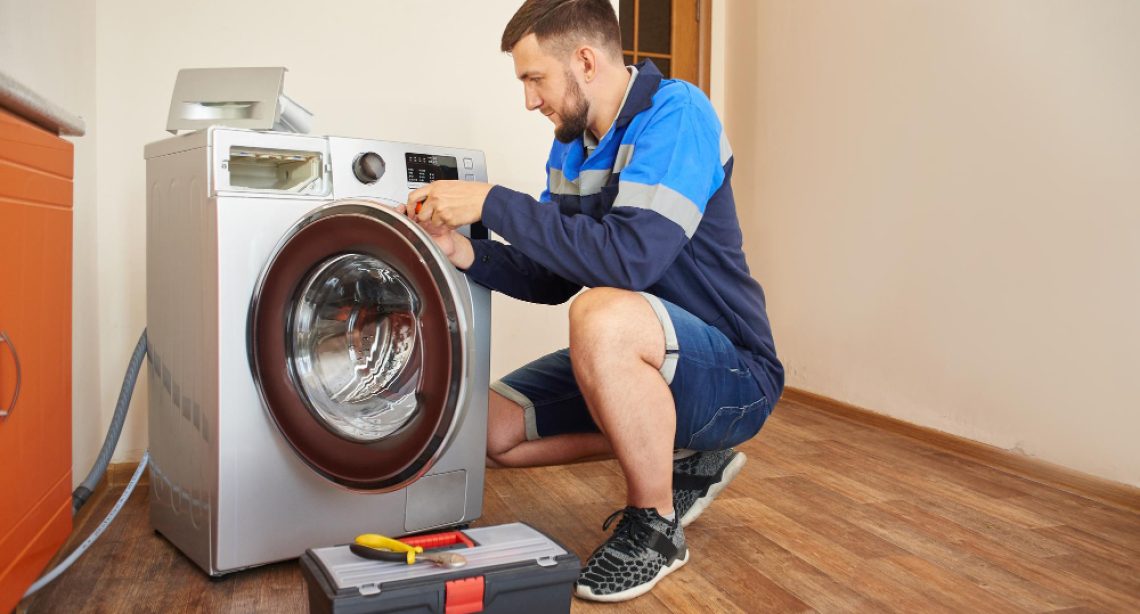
{"x": 588, "y": 60}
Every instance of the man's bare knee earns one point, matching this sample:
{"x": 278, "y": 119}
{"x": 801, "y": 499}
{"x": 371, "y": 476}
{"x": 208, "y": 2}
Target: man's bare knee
{"x": 506, "y": 428}
{"x": 607, "y": 324}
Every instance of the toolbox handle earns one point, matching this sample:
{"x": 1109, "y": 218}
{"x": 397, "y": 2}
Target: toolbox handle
{"x": 439, "y": 540}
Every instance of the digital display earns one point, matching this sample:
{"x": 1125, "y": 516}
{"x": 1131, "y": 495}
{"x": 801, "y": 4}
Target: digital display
{"x": 426, "y": 168}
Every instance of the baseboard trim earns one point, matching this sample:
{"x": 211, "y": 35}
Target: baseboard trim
{"x": 1037, "y": 470}
{"x": 119, "y": 474}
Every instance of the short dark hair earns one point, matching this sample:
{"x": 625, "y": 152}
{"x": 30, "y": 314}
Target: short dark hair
{"x": 564, "y": 23}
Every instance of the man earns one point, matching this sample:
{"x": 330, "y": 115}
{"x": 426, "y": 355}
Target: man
{"x": 670, "y": 348}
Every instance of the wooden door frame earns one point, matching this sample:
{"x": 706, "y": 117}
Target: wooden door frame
{"x": 689, "y": 17}
{"x": 704, "y": 46}
{"x": 694, "y": 17}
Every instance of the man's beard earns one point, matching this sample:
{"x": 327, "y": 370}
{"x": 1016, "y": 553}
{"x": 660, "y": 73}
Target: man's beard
{"x": 577, "y": 111}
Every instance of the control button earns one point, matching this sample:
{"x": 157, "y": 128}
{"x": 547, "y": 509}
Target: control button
{"x": 469, "y": 177}
{"x": 368, "y": 167}
{"x": 468, "y": 163}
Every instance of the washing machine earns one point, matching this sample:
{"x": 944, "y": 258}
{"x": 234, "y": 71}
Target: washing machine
{"x": 317, "y": 368}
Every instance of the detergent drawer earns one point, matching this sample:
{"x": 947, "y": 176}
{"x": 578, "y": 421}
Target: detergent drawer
{"x": 269, "y": 164}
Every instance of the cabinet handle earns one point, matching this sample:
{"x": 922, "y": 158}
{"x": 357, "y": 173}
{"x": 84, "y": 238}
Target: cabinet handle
{"x": 4, "y": 338}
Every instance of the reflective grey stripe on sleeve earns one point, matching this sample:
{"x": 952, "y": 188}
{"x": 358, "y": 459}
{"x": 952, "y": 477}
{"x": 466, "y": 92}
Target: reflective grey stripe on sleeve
{"x": 662, "y": 199}
{"x": 621, "y": 160}
{"x": 587, "y": 183}
{"x": 669, "y": 364}
{"x": 725, "y": 148}
{"x": 527, "y": 406}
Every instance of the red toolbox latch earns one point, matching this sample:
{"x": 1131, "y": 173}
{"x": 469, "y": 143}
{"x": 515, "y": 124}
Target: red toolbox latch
{"x": 464, "y": 596}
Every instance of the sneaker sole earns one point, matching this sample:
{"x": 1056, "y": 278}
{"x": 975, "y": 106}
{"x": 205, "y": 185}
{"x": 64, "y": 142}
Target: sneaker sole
{"x": 585, "y": 592}
{"x": 730, "y": 471}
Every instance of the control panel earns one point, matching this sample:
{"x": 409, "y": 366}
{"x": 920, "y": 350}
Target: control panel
{"x": 363, "y": 168}
{"x": 272, "y": 164}
{"x": 386, "y": 169}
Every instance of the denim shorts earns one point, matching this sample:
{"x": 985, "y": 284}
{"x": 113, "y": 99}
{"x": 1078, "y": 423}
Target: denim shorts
{"x": 719, "y": 402}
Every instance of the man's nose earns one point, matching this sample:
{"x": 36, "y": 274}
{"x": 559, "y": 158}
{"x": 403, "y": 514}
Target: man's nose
{"x": 533, "y": 100}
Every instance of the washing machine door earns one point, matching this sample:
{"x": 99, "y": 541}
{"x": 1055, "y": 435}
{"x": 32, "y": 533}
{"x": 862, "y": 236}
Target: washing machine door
{"x": 359, "y": 342}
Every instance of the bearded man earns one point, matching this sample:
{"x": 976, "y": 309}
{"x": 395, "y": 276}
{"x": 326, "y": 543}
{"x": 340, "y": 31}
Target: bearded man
{"x": 671, "y": 360}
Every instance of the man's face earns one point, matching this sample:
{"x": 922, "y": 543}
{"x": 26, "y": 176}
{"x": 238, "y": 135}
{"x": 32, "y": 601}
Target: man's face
{"x": 551, "y": 88}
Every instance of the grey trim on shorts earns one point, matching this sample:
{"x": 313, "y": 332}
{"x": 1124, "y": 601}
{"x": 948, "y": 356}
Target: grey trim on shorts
{"x": 519, "y": 399}
{"x": 669, "y": 364}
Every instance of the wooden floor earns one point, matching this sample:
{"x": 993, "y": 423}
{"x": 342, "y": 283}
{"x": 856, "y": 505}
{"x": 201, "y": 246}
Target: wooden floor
{"x": 828, "y": 515}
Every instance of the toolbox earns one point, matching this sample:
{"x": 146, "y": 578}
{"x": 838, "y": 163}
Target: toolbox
{"x": 510, "y": 568}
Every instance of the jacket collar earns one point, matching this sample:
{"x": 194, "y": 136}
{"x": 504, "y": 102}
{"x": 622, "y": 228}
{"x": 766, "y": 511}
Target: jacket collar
{"x": 641, "y": 95}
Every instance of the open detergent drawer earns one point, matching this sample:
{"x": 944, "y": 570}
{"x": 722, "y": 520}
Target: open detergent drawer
{"x": 510, "y": 568}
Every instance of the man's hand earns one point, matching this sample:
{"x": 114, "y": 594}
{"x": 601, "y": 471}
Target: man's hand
{"x": 455, "y": 246}
{"x": 448, "y": 203}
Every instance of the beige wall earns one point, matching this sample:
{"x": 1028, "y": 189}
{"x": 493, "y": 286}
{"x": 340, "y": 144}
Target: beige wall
{"x": 50, "y": 47}
{"x": 941, "y": 199}
{"x": 943, "y": 203}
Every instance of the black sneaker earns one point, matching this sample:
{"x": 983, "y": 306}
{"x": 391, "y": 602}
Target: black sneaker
{"x": 699, "y": 478}
{"x": 643, "y": 549}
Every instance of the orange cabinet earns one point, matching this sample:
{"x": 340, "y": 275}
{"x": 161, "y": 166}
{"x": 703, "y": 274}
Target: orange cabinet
{"x": 35, "y": 352}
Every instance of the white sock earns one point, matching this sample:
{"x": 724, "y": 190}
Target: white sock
{"x": 671, "y": 516}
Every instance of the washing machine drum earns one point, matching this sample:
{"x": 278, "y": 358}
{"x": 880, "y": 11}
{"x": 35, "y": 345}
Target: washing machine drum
{"x": 359, "y": 339}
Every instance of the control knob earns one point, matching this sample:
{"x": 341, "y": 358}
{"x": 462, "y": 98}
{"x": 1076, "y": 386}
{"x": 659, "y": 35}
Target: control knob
{"x": 368, "y": 167}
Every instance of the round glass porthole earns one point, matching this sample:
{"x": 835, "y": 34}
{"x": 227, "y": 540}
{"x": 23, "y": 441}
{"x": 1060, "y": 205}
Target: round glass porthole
{"x": 355, "y": 346}
{"x": 359, "y": 338}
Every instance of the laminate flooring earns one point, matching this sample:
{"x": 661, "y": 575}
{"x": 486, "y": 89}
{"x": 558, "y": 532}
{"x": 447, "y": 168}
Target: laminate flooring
{"x": 829, "y": 515}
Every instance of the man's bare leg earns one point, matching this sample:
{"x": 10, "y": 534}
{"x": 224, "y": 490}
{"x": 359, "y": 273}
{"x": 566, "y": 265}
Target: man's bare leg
{"x": 507, "y": 445}
{"x": 617, "y": 346}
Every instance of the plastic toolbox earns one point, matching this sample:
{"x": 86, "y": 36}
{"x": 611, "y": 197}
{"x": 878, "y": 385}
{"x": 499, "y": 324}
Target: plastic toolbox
{"x": 510, "y": 568}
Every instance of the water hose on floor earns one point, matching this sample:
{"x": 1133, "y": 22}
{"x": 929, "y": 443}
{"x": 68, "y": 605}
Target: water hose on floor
{"x": 78, "y": 552}
{"x": 83, "y": 492}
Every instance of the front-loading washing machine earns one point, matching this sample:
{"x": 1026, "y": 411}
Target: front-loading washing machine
{"x": 317, "y": 368}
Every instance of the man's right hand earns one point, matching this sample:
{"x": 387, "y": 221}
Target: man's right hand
{"x": 455, "y": 246}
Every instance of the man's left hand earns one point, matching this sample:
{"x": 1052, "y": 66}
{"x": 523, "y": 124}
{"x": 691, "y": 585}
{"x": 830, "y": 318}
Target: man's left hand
{"x": 448, "y": 203}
